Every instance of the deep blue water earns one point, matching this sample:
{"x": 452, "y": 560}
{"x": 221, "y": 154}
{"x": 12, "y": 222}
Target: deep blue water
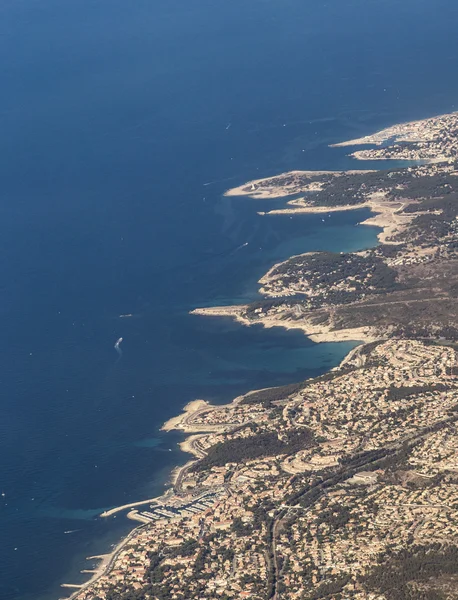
{"x": 113, "y": 118}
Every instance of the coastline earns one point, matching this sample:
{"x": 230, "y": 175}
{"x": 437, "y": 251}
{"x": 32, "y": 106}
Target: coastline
{"x": 251, "y": 188}
{"x": 178, "y": 422}
{"x": 410, "y": 131}
{"x": 386, "y": 215}
{"x": 317, "y": 333}
{"x": 188, "y": 411}
{"x": 106, "y": 560}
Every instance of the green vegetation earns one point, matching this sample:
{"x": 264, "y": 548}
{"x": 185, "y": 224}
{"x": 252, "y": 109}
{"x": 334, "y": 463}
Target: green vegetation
{"x": 328, "y": 268}
{"x": 255, "y": 446}
{"x": 269, "y": 395}
{"x": 397, "y": 572}
{"x": 396, "y": 393}
{"x": 328, "y": 589}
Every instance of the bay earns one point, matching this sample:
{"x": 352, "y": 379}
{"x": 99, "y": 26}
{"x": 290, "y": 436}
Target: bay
{"x": 122, "y": 124}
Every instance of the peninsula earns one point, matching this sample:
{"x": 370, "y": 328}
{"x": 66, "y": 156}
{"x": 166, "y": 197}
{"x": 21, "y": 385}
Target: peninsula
{"x": 343, "y": 486}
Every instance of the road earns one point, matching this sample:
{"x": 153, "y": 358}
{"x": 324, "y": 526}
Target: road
{"x": 354, "y": 465}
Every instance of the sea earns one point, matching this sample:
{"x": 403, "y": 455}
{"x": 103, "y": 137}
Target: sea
{"x": 122, "y": 123}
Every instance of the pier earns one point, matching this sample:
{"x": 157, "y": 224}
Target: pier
{"x": 113, "y": 511}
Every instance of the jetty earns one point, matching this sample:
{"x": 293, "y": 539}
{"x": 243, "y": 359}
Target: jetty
{"x": 113, "y": 511}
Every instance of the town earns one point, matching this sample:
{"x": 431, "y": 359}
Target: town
{"x": 375, "y": 423}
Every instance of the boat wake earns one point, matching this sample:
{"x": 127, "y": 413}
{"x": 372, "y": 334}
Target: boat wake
{"x": 239, "y": 248}
{"x": 117, "y": 346}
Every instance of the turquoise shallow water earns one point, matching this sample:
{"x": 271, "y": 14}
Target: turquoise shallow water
{"x": 114, "y": 117}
